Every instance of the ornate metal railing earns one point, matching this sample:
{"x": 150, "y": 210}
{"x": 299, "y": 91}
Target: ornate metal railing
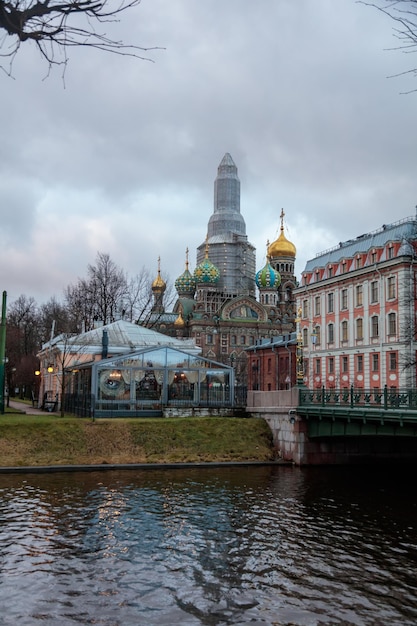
{"x": 350, "y": 397}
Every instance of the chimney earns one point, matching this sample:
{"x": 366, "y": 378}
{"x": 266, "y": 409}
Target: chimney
{"x": 105, "y": 345}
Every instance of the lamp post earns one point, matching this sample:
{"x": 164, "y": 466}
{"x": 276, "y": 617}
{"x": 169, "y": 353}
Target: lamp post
{"x": 299, "y": 352}
{"x": 2, "y": 350}
{"x": 313, "y": 338}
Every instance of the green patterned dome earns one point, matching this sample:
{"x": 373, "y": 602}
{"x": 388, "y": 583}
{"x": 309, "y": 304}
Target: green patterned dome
{"x": 185, "y": 284}
{"x": 267, "y": 277}
{"x": 206, "y": 272}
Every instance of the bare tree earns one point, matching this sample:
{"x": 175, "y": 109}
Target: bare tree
{"x": 100, "y": 296}
{"x": 56, "y": 25}
{"x": 22, "y": 343}
{"x": 404, "y": 14}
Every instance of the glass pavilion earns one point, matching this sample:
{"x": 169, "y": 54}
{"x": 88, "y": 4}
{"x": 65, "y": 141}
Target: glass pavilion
{"x": 145, "y": 382}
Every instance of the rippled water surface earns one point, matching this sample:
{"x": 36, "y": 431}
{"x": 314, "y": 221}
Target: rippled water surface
{"x": 252, "y": 545}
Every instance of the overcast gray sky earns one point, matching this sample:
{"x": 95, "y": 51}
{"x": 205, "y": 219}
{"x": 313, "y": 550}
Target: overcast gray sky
{"x": 123, "y": 159}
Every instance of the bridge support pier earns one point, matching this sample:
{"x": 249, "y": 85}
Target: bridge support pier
{"x": 292, "y": 441}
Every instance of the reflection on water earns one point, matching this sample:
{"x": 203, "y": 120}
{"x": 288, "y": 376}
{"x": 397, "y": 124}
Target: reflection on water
{"x": 257, "y": 546}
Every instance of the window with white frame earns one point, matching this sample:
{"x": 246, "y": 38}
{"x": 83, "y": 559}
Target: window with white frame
{"x": 330, "y": 333}
{"x": 392, "y": 324}
{"x": 391, "y": 292}
{"x": 344, "y": 299}
{"x": 359, "y": 295}
{"x": 392, "y": 361}
{"x": 374, "y": 291}
{"x": 330, "y": 302}
{"x": 359, "y": 329}
{"x": 374, "y": 326}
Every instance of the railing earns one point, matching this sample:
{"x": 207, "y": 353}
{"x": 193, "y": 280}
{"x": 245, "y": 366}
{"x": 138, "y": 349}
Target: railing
{"x": 351, "y": 398}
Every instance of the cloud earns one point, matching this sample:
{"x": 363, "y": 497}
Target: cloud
{"x": 122, "y": 157}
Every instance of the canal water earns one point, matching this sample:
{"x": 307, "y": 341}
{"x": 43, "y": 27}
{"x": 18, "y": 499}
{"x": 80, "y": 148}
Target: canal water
{"x": 244, "y": 546}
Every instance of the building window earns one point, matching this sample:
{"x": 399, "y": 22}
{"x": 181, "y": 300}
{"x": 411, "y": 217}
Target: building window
{"x": 305, "y": 336}
{"x": 359, "y": 295}
{"x": 331, "y": 365}
{"x": 391, "y": 287}
{"x": 374, "y": 256}
{"x": 317, "y": 309}
{"x": 392, "y": 364}
{"x": 344, "y": 299}
{"x": 330, "y": 333}
{"x": 330, "y": 271}
{"x": 375, "y": 362}
{"x": 358, "y": 262}
{"x": 317, "y": 331}
{"x": 233, "y": 340}
{"x": 305, "y": 308}
{"x": 242, "y": 340}
{"x": 392, "y": 324}
{"x": 345, "y": 335}
{"x": 359, "y": 363}
{"x": 374, "y": 292}
{"x": 251, "y": 340}
{"x": 269, "y": 365}
{"x": 374, "y": 326}
{"x": 345, "y": 364}
{"x": 330, "y": 302}
{"x": 344, "y": 267}
{"x": 209, "y": 338}
{"x": 391, "y": 252}
{"x": 318, "y": 367}
{"x": 359, "y": 329}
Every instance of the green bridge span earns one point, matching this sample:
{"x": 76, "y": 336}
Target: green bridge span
{"x": 359, "y": 412}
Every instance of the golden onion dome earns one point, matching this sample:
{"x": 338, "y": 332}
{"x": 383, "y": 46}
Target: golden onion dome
{"x": 179, "y": 322}
{"x": 159, "y": 284}
{"x": 281, "y": 247}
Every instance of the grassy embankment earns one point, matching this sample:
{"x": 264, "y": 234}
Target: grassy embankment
{"x": 27, "y": 440}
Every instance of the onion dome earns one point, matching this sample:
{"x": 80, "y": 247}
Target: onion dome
{"x": 268, "y": 277}
{"x": 282, "y": 247}
{"x": 185, "y": 284}
{"x": 159, "y": 285}
{"x": 206, "y": 272}
{"x": 179, "y": 322}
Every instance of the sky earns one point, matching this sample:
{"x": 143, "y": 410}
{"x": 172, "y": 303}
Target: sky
{"x": 121, "y": 156}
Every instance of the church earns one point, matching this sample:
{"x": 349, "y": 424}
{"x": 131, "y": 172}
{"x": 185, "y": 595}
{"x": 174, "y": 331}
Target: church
{"x": 225, "y": 305}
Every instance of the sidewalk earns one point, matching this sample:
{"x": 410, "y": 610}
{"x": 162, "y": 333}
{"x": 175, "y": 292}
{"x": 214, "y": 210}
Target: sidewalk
{"x": 26, "y": 408}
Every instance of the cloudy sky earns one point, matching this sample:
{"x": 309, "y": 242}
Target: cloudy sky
{"x": 122, "y": 158}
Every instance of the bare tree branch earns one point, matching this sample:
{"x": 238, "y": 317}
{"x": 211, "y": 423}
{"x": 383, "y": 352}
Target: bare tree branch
{"x": 54, "y": 26}
{"x": 404, "y": 14}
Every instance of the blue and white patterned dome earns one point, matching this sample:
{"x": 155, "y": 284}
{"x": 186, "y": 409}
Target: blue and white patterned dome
{"x": 268, "y": 277}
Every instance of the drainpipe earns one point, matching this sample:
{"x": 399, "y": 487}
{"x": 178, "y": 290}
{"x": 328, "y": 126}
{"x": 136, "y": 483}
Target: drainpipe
{"x": 382, "y": 331}
{"x": 289, "y": 361}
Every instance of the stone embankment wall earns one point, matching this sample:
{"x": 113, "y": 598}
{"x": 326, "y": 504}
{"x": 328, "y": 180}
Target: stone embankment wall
{"x": 277, "y": 409}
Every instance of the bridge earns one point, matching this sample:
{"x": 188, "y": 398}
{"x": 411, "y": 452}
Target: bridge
{"x": 339, "y": 426}
{"x": 355, "y": 412}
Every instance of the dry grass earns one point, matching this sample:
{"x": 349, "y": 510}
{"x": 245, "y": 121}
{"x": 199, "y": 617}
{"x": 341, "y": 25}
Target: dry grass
{"x": 51, "y": 440}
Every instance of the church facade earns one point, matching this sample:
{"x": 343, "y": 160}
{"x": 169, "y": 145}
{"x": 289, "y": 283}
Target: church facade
{"x": 225, "y": 305}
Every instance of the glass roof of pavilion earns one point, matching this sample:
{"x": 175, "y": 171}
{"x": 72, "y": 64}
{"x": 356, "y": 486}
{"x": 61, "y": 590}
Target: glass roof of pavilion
{"x": 160, "y": 357}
